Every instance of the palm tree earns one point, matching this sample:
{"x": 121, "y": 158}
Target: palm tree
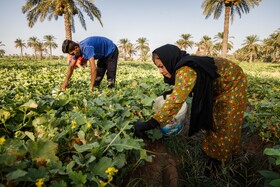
{"x": 32, "y": 43}
{"x": 124, "y": 47}
{"x": 231, "y": 7}
{"x": 130, "y": 50}
{"x": 20, "y": 44}
{"x": 250, "y": 43}
{"x": 185, "y": 41}
{"x": 144, "y": 55}
{"x": 143, "y": 46}
{"x": 40, "y": 48}
{"x": 2, "y": 51}
{"x": 271, "y": 46}
{"x": 49, "y": 42}
{"x": 218, "y": 39}
{"x": 66, "y": 8}
{"x": 205, "y": 45}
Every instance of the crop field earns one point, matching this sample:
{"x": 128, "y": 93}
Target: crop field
{"x": 79, "y": 137}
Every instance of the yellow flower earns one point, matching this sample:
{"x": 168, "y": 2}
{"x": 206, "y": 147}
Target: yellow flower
{"x": 102, "y": 183}
{"x": 111, "y": 171}
{"x": 88, "y": 125}
{"x": 51, "y": 135}
{"x": 73, "y": 124}
{"x": 2, "y": 140}
{"x": 40, "y": 182}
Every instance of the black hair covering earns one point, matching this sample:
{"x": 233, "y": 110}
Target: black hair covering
{"x": 202, "y": 102}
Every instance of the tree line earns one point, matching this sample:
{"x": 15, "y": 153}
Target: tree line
{"x": 253, "y": 48}
{"x": 70, "y": 8}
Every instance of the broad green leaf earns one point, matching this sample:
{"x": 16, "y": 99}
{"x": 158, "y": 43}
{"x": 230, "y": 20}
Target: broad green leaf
{"x": 81, "y": 135}
{"x": 126, "y": 113}
{"x": 30, "y": 135}
{"x": 42, "y": 151}
{"x": 60, "y": 183}
{"x": 63, "y": 100}
{"x": 272, "y": 151}
{"x": 14, "y": 148}
{"x": 39, "y": 173}
{"x": 39, "y": 121}
{"x": 147, "y": 101}
{"x": 126, "y": 144}
{"x": 101, "y": 166}
{"x": 120, "y": 160}
{"x": 69, "y": 167}
{"x": 275, "y": 182}
{"x": 30, "y": 104}
{"x": 269, "y": 174}
{"x": 16, "y": 174}
{"x": 78, "y": 177}
{"x": 86, "y": 147}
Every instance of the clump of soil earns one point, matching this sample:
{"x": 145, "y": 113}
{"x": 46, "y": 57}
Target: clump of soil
{"x": 162, "y": 171}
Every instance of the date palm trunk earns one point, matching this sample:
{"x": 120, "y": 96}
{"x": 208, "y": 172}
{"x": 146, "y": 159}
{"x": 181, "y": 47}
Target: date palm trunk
{"x": 226, "y": 31}
{"x": 67, "y": 25}
{"x": 50, "y": 53}
{"x": 21, "y": 53}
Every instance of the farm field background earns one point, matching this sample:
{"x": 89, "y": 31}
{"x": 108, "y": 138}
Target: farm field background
{"x": 76, "y": 137}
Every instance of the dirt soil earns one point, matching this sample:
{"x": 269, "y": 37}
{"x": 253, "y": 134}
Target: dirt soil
{"x": 162, "y": 172}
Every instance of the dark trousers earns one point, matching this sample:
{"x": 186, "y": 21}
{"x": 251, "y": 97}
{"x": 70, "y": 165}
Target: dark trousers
{"x": 108, "y": 64}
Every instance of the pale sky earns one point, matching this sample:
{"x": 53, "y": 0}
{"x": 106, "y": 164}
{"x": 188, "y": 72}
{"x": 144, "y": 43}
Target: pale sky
{"x": 160, "y": 21}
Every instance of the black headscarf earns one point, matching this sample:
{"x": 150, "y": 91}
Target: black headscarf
{"x": 202, "y": 102}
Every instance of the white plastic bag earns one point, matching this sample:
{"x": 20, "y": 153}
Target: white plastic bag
{"x": 177, "y": 124}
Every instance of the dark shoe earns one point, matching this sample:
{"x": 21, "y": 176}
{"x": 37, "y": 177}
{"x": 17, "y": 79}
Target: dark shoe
{"x": 96, "y": 84}
{"x": 111, "y": 85}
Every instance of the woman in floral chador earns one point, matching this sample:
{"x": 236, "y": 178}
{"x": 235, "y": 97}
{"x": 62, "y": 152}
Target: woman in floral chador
{"x": 218, "y": 90}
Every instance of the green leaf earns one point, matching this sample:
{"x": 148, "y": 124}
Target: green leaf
{"x": 126, "y": 113}
{"x": 86, "y": 147}
{"x": 126, "y": 144}
{"x": 30, "y": 135}
{"x": 60, "y": 183}
{"x": 272, "y": 151}
{"x": 70, "y": 166}
{"x": 35, "y": 174}
{"x": 120, "y": 160}
{"x": 63, "y": 100}
{"x": 78, "y": 177}
{"x": 145, "y": 156}
{"x": 16, "y": 174}
{"x": 269, "y": 174}
{"x": 30, "y": 104}
{"x": 39, "y": 121}
{"x": 13, "y": 149}
{"x": 42, "y": 151}
{"x": 101, "y": 166}
{"x": 147, "y": 101}
{"x": 275, "y": 182}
